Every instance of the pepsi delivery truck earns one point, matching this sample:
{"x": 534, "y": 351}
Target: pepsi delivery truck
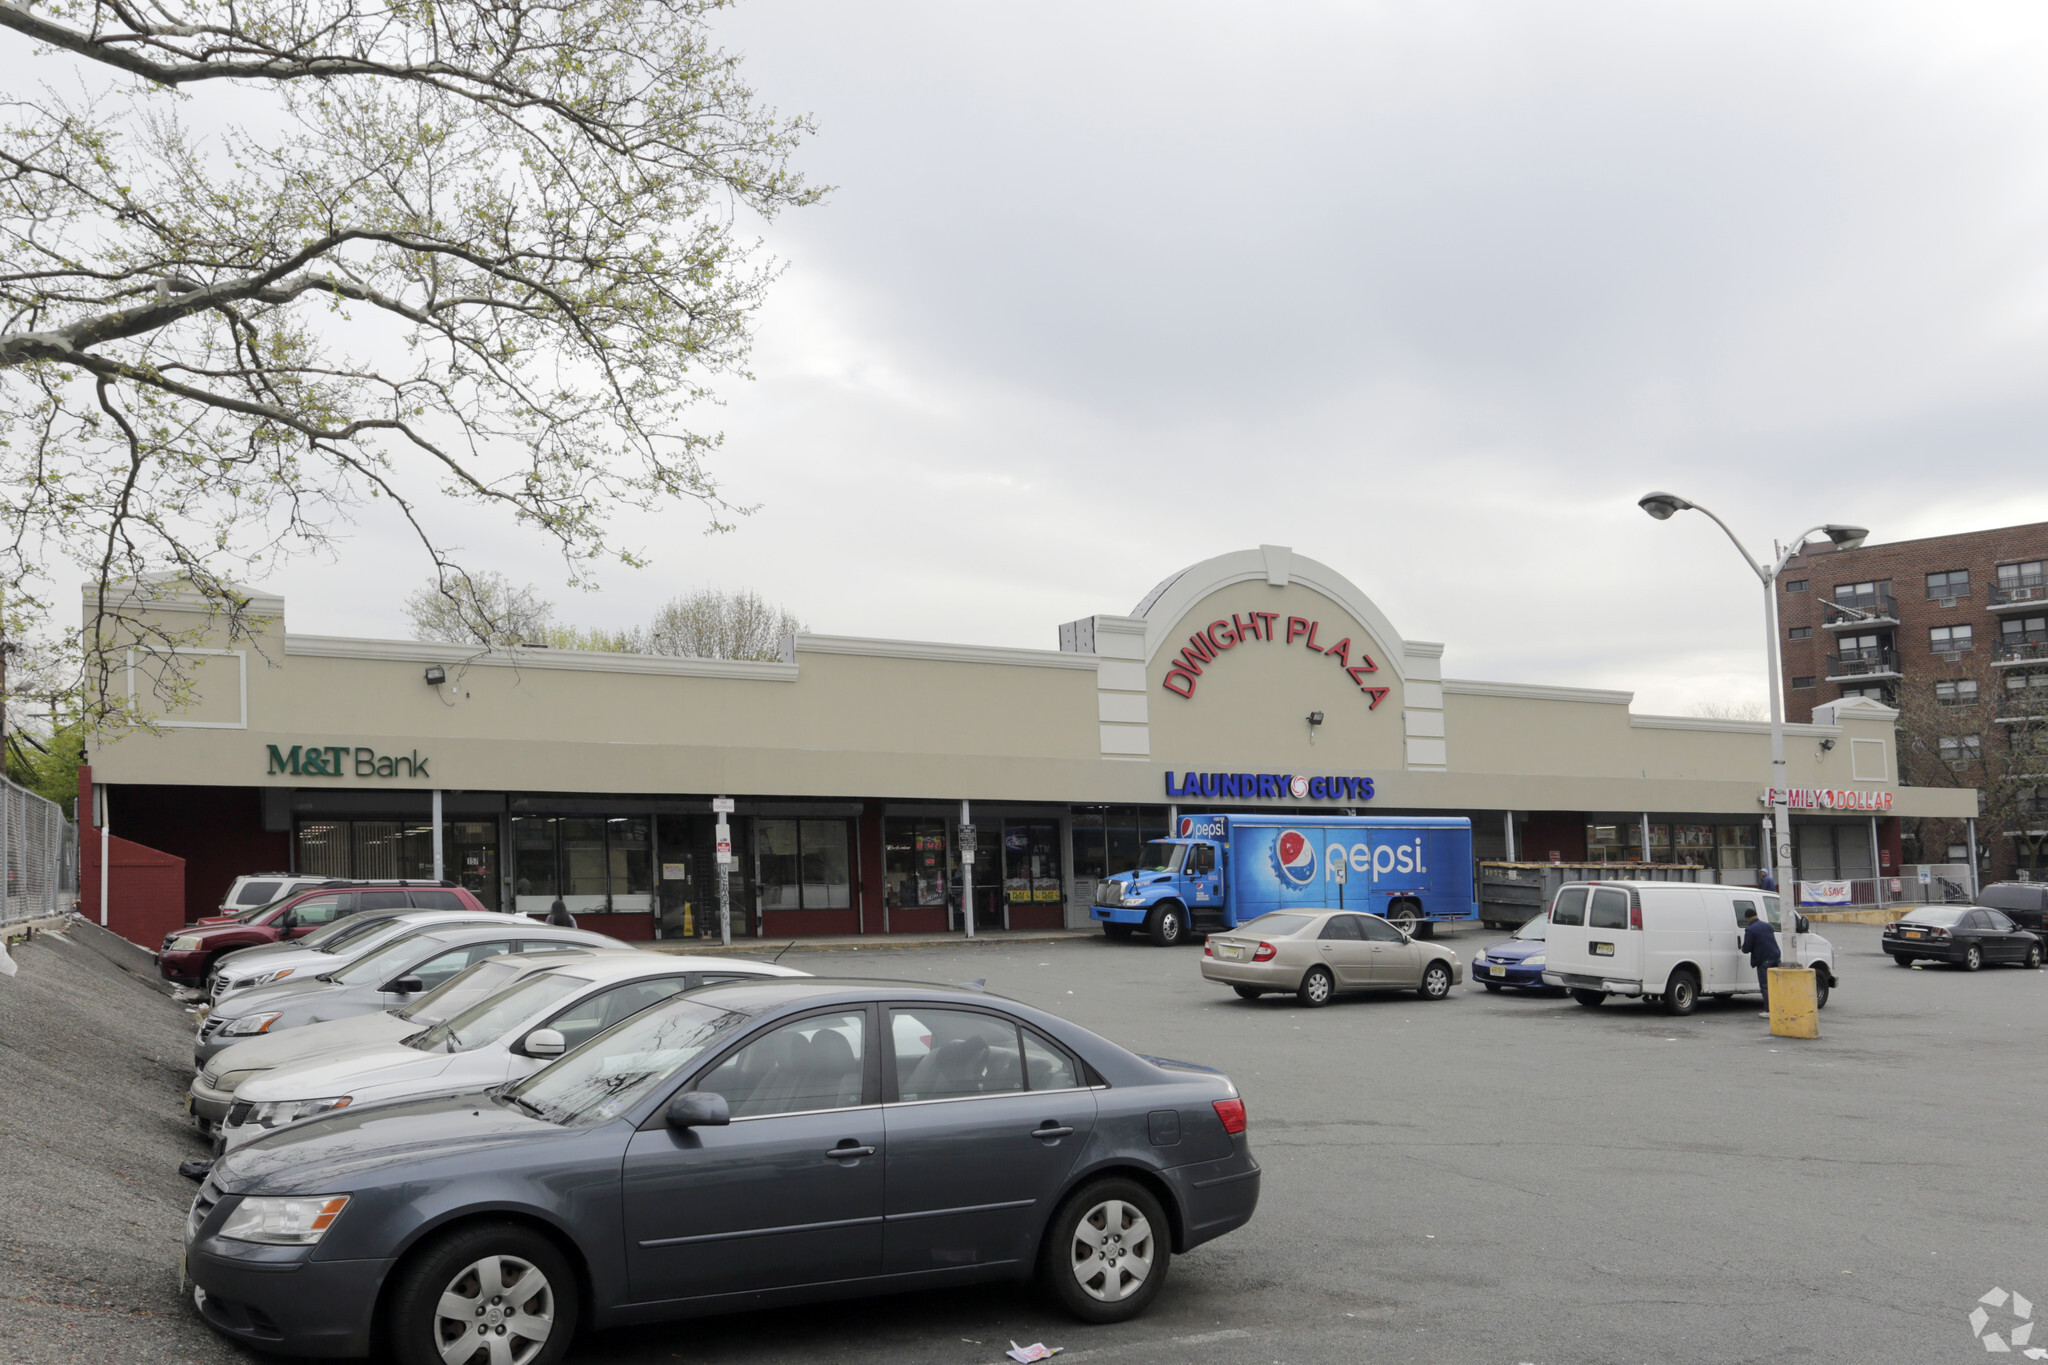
{"x": 1220, "y": 871}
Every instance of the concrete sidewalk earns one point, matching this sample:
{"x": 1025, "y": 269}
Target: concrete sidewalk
{"x": 754, "y": 947}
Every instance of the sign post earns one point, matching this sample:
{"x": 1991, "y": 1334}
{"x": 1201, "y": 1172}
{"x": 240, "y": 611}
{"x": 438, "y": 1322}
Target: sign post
{"x": 723, "y": 806}
{"x": 967, "y": 838}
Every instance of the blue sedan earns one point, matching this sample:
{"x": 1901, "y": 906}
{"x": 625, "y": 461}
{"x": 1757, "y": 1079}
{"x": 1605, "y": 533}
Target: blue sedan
{"x": 1515, "y": 962}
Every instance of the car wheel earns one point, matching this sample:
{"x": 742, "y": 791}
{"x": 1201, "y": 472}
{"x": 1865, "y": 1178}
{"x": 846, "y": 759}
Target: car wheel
{"x": 1493, "y": 986}
{"x": 1118, "y": 932}
{"x": 1822, "y": 984}
{"x": 1973, "y": 958}
{"x": 1590, "y": 999}
{"x": 1316, "y": 987}
{"x": 1902, "y": 959}
{"x": 502, "y": 1290}
{"x": 1682, "y": 992}
{"x": 1404, "y": 918}
{"x": 2033, "y": 957}
{"x": 1165, "y": 925}
{"x": 1436, "y": 982}
{"x": 1107, "y": 1252}
{"x": 1248, "y": 992}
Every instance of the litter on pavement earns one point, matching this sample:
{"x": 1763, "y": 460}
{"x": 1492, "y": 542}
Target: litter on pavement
{"x": 1037, "y": 1350}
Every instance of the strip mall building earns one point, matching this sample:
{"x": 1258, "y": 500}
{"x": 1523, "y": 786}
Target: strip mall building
{"x": 1257, "y": 680}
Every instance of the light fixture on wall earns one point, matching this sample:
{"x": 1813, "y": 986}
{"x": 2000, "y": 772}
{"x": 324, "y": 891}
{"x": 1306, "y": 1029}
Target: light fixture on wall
{"x": 436, "y": 675}
{"x": 1315, "y": 718}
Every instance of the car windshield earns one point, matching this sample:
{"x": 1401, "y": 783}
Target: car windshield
{"x": 382, "y": 964}
{"x": 465, "y": 988}
{"x": 488, "y": 1019}
{"x": 1160, "y": 856}
{"x": 621, "y": 1066}
{"x": 1275, "y": 925}
{"x": 1941, "y": 916}
{"x": 1535, "y": 929}
{"x": 328, "y": 936}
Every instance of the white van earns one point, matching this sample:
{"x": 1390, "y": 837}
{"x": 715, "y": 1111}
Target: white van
{"x": 1669, "y": 941}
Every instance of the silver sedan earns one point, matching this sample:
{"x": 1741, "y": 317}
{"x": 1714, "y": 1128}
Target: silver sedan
{"x": 1312, "y": 955}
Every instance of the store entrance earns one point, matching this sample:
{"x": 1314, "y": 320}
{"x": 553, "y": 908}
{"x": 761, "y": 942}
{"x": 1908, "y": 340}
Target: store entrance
{"x": 686, "y": 879}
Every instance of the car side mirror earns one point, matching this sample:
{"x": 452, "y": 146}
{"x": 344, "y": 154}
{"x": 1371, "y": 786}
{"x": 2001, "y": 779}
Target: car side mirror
{"x": 698, "y": 1109}
{"x": 408, "y": 985}
{"x": 1801, "y": 922}
{"x": 545, "y": 1042}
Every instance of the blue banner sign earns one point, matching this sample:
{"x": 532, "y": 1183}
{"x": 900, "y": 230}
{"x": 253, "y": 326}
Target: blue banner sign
{"x": 1268, "y": 787}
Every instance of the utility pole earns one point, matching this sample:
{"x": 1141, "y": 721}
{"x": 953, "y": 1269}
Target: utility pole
{"x": 723, "y": 806}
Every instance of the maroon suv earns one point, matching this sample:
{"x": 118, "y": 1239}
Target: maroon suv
{"x": 189, "y": 952}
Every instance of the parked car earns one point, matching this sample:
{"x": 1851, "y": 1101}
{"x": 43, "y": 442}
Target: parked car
{"x": 189, "y": 952}
{"x": 212, "y": 1092}
{"x": 1312, "y": 956}
{"x": 1519, "y": 961}
{"x": 503, "y": 1037}
{"x": 741, "y": 1146}
{"x": 255, "y": 889}
{"x": 2024, "y": 903}
{"x": 1668, "y": 942}
{"x": 1966, "y": 935}
{"x": 326, "y": 948}
{"x": 407, "y": 966}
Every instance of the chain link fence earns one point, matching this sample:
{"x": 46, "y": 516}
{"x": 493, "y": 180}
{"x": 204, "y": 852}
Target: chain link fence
{"x": 40, "y": 850}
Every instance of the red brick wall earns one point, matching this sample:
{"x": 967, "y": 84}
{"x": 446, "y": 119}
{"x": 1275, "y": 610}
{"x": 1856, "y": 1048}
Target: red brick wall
{"x": 1906, "y": 564}
{"x": 218, "y": 831}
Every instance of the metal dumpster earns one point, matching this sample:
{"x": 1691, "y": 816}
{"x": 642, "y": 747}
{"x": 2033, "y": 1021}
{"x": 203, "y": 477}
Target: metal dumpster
{"x": 1510, "y": 894}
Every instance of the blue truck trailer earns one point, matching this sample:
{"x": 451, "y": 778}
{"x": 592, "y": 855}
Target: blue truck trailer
{"x": 1220, "y": 871}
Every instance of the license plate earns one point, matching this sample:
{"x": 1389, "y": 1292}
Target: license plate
{"x": 1603, "y": 950}
{"x": 1913, "y": 933}
{"x": 1498, "y": 971}
{"x": 1230, "y": 951}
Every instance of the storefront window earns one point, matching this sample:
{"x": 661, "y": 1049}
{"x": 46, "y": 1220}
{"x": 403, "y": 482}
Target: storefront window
{"x": 805, "y": 864}
{"x": 915, "y": 860}
{"x": 323, "y": 849}
{"x": 533, "y": 858}
{"x": 592, "y": 864}
{"x": 1108, "y": 838}
{"x": 1738, "y": 847}
{"x": 1031, "y": 862}
{"x": 1607, "y": 844}
{"x": 584, "y": 869}
{"x": 1693, "y": 845}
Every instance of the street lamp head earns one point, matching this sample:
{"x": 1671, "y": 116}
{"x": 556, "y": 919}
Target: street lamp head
{"x": 1847, "y": 537}
{"x": 1662, "y": 505}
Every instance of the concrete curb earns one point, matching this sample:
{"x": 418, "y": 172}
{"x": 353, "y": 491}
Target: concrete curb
{"x": 753, "y": 947}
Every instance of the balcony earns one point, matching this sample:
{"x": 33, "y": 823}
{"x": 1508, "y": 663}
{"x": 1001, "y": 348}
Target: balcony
{"x": 1863, "y": 609}
{"x": 2012, "y": 653}
{"x": 1863, "y": 665}
{"x": 2014, "y": 594}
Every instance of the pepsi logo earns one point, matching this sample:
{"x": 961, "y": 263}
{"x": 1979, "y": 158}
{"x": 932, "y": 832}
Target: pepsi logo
{"x": 1298, "y": 788}
{"x": 1187, "y": 826}
{"x": 1294, "y": 857}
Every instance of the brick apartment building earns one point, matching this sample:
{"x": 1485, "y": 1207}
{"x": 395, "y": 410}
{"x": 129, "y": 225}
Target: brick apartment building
{"x": 1952, "y": 631}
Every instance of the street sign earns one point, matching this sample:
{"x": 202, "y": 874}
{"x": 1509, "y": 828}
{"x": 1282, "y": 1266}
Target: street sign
{"x": 722, "y": 805}
{"x": 967, "y": 839}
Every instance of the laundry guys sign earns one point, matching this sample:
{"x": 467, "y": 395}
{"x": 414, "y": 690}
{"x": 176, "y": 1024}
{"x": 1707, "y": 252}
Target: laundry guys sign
{"x": 1206, "y": 647}
{"x": 1268, "y": 787}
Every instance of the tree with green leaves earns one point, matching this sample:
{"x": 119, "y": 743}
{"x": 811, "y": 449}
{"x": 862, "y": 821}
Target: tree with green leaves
{"x": 491, "y": 251}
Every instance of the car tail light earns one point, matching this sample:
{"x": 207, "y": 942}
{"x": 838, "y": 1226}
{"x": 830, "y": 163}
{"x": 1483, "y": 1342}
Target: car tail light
{"x": 1635, "y": 917}
{"x": 1207, "y": 951}
{"x": 1266, "y": 952}
{"x": 1232, "y": 1114}
{"x": 1937, "y": 933}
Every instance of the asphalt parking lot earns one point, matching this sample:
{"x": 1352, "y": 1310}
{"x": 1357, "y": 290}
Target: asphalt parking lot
{"x": 1490, "y": 1178}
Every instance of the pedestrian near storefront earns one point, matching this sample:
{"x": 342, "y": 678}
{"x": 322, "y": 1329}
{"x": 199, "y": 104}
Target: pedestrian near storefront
{"x": 558, "y": 914}
{"x": 1760, "y": 941}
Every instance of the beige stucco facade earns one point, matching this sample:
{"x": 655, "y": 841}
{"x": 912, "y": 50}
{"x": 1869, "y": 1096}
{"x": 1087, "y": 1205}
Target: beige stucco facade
{"x": 1102, "y": 720}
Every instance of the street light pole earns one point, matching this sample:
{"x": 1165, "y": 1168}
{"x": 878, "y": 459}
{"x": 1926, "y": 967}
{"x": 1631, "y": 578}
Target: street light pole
{"x": 1662, "y": 506}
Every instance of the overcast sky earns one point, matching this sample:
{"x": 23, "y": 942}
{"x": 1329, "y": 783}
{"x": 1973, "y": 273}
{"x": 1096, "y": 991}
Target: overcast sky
{"x": 1431, "y": 293}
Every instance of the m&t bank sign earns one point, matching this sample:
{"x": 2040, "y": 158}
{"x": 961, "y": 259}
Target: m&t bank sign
{"x": 341, "y": 760}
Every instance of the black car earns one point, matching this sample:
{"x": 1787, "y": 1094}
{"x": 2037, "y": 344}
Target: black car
{"x": 2024, "y": 903}
{"x": 1967, "y": 935}
{"x": 739, "y": 1146}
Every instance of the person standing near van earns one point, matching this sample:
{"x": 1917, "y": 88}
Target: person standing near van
{"x": 1760, "y": 941}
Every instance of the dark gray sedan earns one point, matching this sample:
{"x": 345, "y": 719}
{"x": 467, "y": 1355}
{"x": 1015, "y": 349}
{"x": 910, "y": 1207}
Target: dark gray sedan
{"x": 736, "y": 1147}
{"x": 388, "y": 978}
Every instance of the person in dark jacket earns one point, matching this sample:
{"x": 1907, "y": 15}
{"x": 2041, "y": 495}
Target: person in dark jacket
{"x": 1760, "y": 941}
{"x": 558, "y": 915}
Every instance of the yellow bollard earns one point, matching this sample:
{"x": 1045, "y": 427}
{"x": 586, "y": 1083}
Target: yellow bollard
{"x": 1794, "y": 1011}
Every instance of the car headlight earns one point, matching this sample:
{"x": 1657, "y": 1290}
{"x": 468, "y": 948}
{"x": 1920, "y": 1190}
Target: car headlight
{"x": 251, "y": 1023}
{"x": 284, "y": 1222}
{"x": 277, "y": 1113}
{"x": 1533, "y": 960}
{"x": 1134, "y": 900}
{"x": 226, "y": 1082}
{"x": 267, "y": 978}
{"x": 183, "y": 943}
